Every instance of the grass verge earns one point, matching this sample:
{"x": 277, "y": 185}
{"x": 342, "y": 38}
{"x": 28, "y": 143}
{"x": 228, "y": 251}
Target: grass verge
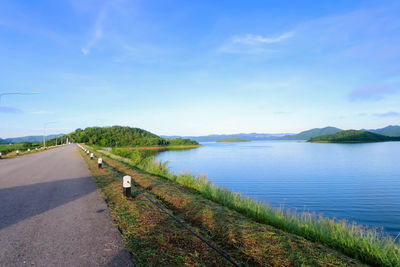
{"x": 367, "y": 245}
{"x": 246, "y": 241}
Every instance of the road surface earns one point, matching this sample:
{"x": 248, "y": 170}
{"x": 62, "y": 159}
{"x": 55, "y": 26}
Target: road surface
{"x": 52, "y": 215}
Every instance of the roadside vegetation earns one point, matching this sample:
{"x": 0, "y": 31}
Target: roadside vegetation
{"x": 9, "y": 150}
{"x": 4, "y": 149}
{"x": 368, "y": 245}
{"x": 156, "y": 240}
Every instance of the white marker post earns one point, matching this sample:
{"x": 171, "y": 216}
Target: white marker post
{"x": 99, "y": 162}
{"x": 126, "y": 184}
{"x": 17, "y": 152}
{"x": 91, "y": 156}
{"x": 29, "y": 150}
{"x": 87, "y": 152}
{"x": 0, "y": 155}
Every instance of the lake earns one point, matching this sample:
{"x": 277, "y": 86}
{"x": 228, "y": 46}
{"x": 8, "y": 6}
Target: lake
{"x": 356, "y": 182}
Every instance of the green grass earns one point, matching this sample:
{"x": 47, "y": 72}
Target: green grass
{"x": 150, "y": 235}
{"x": 4, "y": 149}
{"x": 249, "y": 242}
{"x": 368, "y": 245}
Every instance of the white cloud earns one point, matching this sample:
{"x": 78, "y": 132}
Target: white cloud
{"x": 251, "y": 39}
{"x": 85, "y": 51}
{"x": 97, "y": 33}
{"x": 41, "y": 112}
{"x": 253, "y": 44}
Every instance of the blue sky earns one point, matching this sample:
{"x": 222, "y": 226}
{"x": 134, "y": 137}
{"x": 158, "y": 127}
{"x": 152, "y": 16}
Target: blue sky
{"x": 199, "y": 67}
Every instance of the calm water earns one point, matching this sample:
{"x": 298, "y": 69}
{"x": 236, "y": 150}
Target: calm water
{"x": 357, "y": 182}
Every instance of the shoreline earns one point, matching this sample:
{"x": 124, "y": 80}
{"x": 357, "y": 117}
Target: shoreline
{"x": 231, "y": 230}
{"x": 335, "y": 234}
{"x": 159, "y": 147}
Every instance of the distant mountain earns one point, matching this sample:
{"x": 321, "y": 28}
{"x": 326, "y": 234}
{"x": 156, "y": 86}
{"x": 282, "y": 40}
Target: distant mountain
{"x": 391, "y": 130}
{"x": 353, "y": 136}
{"x": 2, "y": 141}
{"x": 216, "y": 137}
{"x": 306, "y": 135}
{"x": 232, "y": 140}
{"x": 30, "y": 139}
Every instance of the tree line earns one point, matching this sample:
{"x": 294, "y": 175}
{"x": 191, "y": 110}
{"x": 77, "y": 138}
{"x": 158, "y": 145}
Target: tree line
{"x": 120, "y": 136}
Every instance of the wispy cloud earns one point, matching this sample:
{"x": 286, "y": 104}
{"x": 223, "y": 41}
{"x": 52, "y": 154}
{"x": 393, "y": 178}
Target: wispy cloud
{"x": 97, "y": 33}
{"x": 388, "y": 114}
{"x": 251, "y": 39}
{"x": 41, "y": 112}
{"x": 280, "y": 112}
{"x": 10, "y": 110}
{"x": 253, "y": 44}
{"x": 371, "y": 92}
{"x": 110, "y": 32}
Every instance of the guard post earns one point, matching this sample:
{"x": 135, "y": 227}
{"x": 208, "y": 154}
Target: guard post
{"x": 126, "y": 184}
{"x": 91, "y": 156}
{"x": 100, "y": 162}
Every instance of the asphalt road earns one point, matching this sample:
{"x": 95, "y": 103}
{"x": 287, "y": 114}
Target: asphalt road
{"x": 52, "y": 215}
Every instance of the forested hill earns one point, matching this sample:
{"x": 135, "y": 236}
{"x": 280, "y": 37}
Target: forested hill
{"x": 353, "y": 136}
{"x": 391, "y": 130}
{"x": 306, "y": 135}
{"x": 119, "y": 136}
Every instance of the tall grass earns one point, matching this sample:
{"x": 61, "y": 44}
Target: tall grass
{"x": 368, "y": 245}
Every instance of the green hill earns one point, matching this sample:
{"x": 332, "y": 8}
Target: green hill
{"x": 353, "y": 136}
{"x": 119, "y": 136}
{"x": 232, "y": 140}
{"x": 390, "y": 130}
{"x": 306, "y": 135}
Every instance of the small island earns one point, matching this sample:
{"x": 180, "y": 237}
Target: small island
{"x": 353, "y": 136}
{"x": 232, "y": 140}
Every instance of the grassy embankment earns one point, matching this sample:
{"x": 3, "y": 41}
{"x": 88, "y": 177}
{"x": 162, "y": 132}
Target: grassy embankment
{"x": 155, "y": 239}
{"x": 149, "y": 234}
{"x": 367, "y": 245}
{"x": 232, "y": 140}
